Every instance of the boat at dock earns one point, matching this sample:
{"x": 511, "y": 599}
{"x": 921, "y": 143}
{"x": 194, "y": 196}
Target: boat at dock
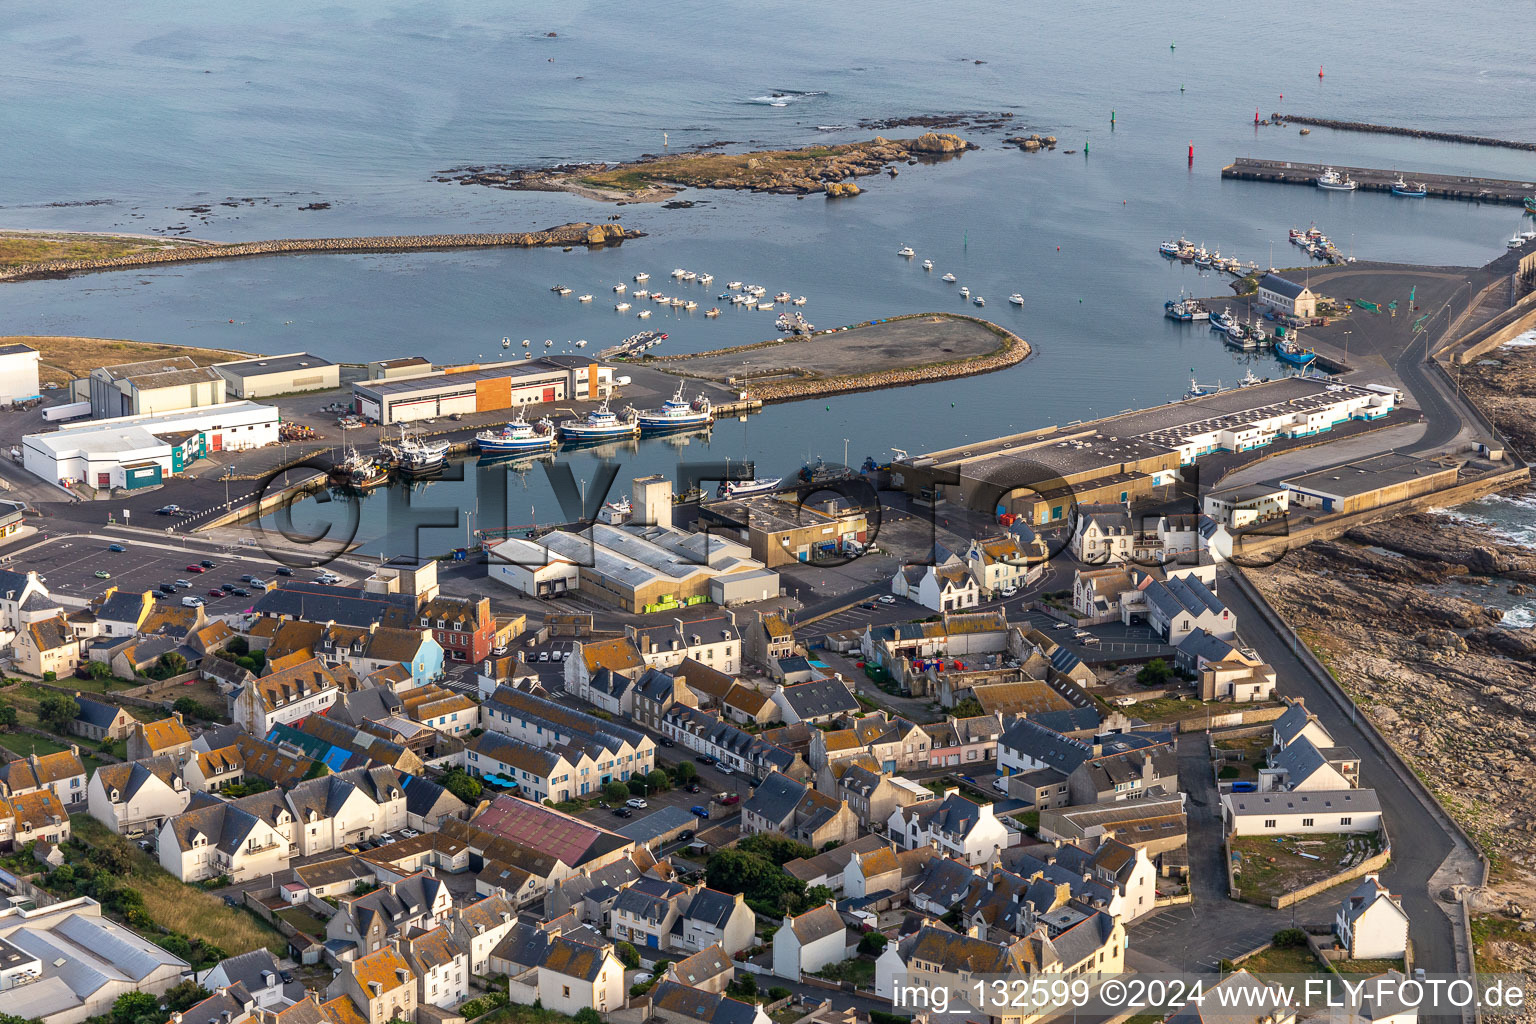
{"x": 1290, "y": 352}
{"x": 676, "y": 413}
{"x": 356, "y": 468}
{"x": 782, "y": 297}
{"x": 411, "y": 454}
{"x": 1185, "y": 310}
{"x": 1400, "y": 187}
{"x": 1169, "y": 249}
{"x": 747, "y": 488}
{"x": 601, "y": 424}
{"x": 518, "y": 436}
{"x": 1333, "y": 181}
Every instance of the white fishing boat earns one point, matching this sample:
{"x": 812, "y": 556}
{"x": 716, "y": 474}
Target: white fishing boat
{"x": 622, "y": 307}
{"x": 689, "y": 275}
{"x": 800, "y": 301}
{"x": 1333, "y": 181}
{"x": 906, "y": 250}
{"x": 978, "y": 300}
{"x": 734, "y": 286}
{"x": 691, "y": 305}
{"x": 642, "y": 277}
{"x": 676, "y": 413}
{"x": 582, "y": 343}
{"x": 679, "y": 272}
{"x": 518, "y": 436}
{"x": 765, "y": 305}
{"x": 965, "y": 292}
{"x": 549, "y": 342}
{"x": 643, "y": 314}
{"x": 641, "y": 293}
{"x": 949, "y": 278}
{"x": 712, "y": 311}
{"x": 1016, "y": 299}
{"x": 562, "y": 290}
{"x": 526, "y": 343}
{"x": 747, "y": 488}
{"x": 706, "y": 279}
{"x": 679, "y": 302}
{"x": 583, "y": 298}
{"x": 927, "y": 264}
{"x": 620, "y": 288}
{"x": 781, "y": 297}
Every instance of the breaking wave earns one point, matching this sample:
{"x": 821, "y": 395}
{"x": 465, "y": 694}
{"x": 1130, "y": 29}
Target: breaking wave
{"x": 784, "y": 97}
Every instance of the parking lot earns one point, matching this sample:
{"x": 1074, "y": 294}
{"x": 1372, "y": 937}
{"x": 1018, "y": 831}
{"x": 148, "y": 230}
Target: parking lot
{"x": 70, "y": 566}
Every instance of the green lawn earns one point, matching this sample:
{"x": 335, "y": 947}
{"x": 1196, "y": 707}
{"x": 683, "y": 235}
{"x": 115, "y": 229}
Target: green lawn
{"x": 1291, "y": 960}
{"x": 515, "y": 1013}
{"x": 1367, "y": 966}
{"x": 303, "y": 920}
{"x": 859, "y": 971}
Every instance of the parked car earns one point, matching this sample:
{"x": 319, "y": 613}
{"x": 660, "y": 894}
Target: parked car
{"x": 623, "y": 812}
{"x": 283, "y": 570}
{"x": 240, "y": 592}
{"x": 887, "y": 599}
{"x": 686, "y": 835}
{"x": 543, "y": 655}
{"x": 702, "y": 812}
{"x": 116, "y": 547}
{"x": 730, "y": 800}
{"x": 637, "y": 803}
{"x": 724, "y": 769}
{"x": 667, "y": 741}
{"x": 1010, "y": 591}
{"x": 191, "y": 602}
{"x": 258, "y": 582}
{"x": 228, "y": 588}
{"x": 102, "y": 574}
{"x": 216, "y": 593}
{"x": 1001, "y": 785}
{"x": 704, "y": 759}
{"x": 167, "y": 510}
{"x": 1061, "y": 625}
{"x": 208, "y": 564}
{"x": 183, "y": 584}
{"x": 167, "y": 589}
{"x": 247, "y": 578}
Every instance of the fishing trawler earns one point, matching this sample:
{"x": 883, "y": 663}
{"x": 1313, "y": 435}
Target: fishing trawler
{"x": 355, "y": 468}
{"x": 518, "y": 436}
{"x": 601, "y": 424}
{"x": 413, "y": 455}
{"x": 676, "y": 413}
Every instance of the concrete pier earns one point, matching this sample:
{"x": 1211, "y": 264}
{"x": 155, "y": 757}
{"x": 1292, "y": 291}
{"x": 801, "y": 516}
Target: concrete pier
{"x": 1440, "y": 186}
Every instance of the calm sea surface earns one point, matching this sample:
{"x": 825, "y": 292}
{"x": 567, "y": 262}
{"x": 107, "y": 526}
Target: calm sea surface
{"x": 126, "y": 118}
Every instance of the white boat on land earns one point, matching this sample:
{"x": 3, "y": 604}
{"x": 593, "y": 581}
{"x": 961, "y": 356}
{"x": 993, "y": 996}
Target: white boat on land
{"x": 642, "y": 277}
{"x": 1333, "y": 181}
{"x": 1515, "y": 241}
{"x": 906, "y": 250}
{"x": 622, "y": 307}
{"x": 927, "y": 264}
{"x": 1016, "y": 299}
{"x": 746, "y": 488}
{"x": 948, "y": 277}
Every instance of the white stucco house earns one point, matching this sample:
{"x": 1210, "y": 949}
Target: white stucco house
{"x": 1371, "y": 923}
{"x": 806, "y": 944}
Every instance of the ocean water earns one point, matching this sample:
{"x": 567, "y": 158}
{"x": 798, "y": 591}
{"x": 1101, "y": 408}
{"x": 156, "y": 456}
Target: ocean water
{"x": 131, "y": 118}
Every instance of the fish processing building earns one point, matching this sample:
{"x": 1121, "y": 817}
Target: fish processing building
{"x": 475, "y": 389}
{"x": 265, "y": 376}
{"x": 1039, "y": 475}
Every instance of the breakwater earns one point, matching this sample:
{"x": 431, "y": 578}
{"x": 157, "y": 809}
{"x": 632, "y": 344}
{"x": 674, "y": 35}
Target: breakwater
{"x": 1412, "y": 133}
{"x": 592, "y": 235}
{"x": 1370, "y": 179}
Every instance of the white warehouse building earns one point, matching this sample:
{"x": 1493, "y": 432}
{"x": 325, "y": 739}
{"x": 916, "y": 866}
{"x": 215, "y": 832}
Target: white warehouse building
{"x": 18, "y": 373}
{"x": 265, "y": 376}
{"x": 131, "y": 452}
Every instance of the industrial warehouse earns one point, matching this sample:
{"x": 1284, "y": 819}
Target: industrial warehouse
{"x": 1040, "y": 474}
{"x": 780, "y": 531}
{"x": 473, "y": 389}
{"x": 265, "y": 376}
{"x": 131, "y": 452}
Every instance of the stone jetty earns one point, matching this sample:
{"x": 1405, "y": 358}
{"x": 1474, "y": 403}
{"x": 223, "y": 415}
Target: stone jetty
{"x": 593, "y": 235}
{"x": 1413, "y": 133}
{"x": 1369, "y": 179}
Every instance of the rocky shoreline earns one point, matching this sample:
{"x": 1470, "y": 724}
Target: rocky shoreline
{"x": 826, "y": 170}
{"x": 571, "y": 235}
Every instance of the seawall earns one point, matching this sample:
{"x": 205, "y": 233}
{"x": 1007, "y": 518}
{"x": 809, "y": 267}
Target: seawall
{"x": 592, "y": 235}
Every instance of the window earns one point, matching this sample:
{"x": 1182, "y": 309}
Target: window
{"x": 1345, "y": 821}
{"x": 1306, "y": 822}
{"x": 1269, "y": 822}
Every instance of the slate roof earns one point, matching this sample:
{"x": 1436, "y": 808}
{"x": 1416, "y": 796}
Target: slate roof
{"x": 1183, "y": 594}
{"x": 703, "y": 966}
{"x": 574, "y": 959}
{"x": 817, "y": 923}
{"x": 95, "y": 713}
{"x": 1281, "y": 286}
{"x": 712, "y": 907}
{"x": 776, "y": 798}
{"x": 254, "y": 970}
{"x": 671, "y": 1000}
{"x": 1039, "y": 743}
{"x": 1203, "y": 644}
{"x": 314, "y": 602}
{"x": 1329, "y": 801}
{"x": 1069, "y": 720}
{"x": 820, "y": 698}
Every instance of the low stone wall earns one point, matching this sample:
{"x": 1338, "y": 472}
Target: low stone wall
{"x": 1365, "y": 867}
{"x": 1227, "y": 719}
{"x": 566, "y": 234}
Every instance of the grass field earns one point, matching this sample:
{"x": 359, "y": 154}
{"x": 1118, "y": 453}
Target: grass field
{"x": 1291, "y": 960}
{"x": 61, "y": 359}
{"x": 184, "y": 909}
{"x": 22, "y": 247}
{"x": 1273, "y": 865}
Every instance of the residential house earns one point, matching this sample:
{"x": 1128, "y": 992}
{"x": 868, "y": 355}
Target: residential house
{"x": 1002, "y": 564}
{"x": 540, "y": 773}
{"x": 1123, "y": 771}
{"x": 1371, "y": 924}
{"x": 61, "y": 773}
{"x": 767, "y": 638}
{"x": 46, "y": 648}
{"x": 480, "y": 926}
{"x": 968, "y": 742}
{"x": 256, "y": 973}
{"x": 262, "y": 759}
{"x": 449, "y": 713}
{"x": 135, "y": 797}
{"x": 674, "y": 1003}
{"x": 221, "y": 838}
{"x": 747, "y": 705}
{"x": 364, "y": 925}
{"x": 1178, "y": 606}
{"x": 944, "y": 585}
{"x": 827, "y": 868}
{"x": 871, "y": 793}
{"x": 38, "y": 815}
{"x": 121, "y": 613}
{"x": 1103, "y": 534}
{"x": 1239, "y": 998}
{"x": 708, "y": 970}
{"x": 815, "y": 702}
{"x": 429, "y": 804}
{"x": 23, "y": 599}
{"x": 99, "y": 720}
{"x": 285, "y": 696}
{"x": 441, "y": 966}
{"x": 1297, "y": 723}
{"x": 884, "y": 870}
{"x": 1302, "y": 766}
{"x": 464, "y": 628}
{"x": 655, "y": 692}
{"x": 963, "y": 828}
{"x": 809, "y": 942}
{"x": 1224, "y": 671}
{"x": 711, "y": 640}
{"x": 1116, "y": 876}
{"x": 1097, "y": 593}
{"x": 213, "y": 770}
{"x": 1286, "y": 813}
{"x": 328, "y": 879}
{"x": 618, "y": 750}
{"x": 348, "y": 807}
{"x": 647, "y": 912}
{"x": 788, "y": 807}
{"x": 704, "y": 733}
{"x": 717, "y": 920}
{"x": 576, "y": 976}
{"x": 616, "y": 656}
{"x": 167, "y": 737}
{"x": 380, "y": 984}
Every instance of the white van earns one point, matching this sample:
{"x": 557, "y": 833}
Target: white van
{"x": 191, "y": 602}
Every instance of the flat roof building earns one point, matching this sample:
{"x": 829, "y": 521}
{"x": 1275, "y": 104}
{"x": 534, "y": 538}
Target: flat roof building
{"x": 265, "y": 376}
{"x": 474, "y": 389}
{"x": 1369, "y": 483}
{"x": 18, "y": 373}
{"x": 780, "y": 530}
{"x": 153, "y": 386}
{"x": 1041, "y": 474}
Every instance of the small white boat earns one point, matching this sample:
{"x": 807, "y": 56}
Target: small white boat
{"x": 1333, "y": 181}
{"x": 734, "y": 286}
{"x": 564, "y": 290}
{"x": 712, "y": 311}
{"x": 620, "y": 288}
{"x": 978, "y": 300}
{"x": 679, "y": 302}
{"x": 1515, "y": 241}
{"x": 689, "y": 275}
{"x": 643, "y": 314}
{"x": 965, "y": 292}
{"x": 641, "y": 293}
{"x": 506, "y": 342}
{"x": 800, "y": 301}
{"x": 549, "y": 343}
{"x": 622, "y": 307}
{"x": 948, "y": 277}
{"x": 526, "y": 343}
{"x": 1016, "y": 299}
{"x": 679, "y": 272}
{"x": 781, "y": 297}
{"x": 583, "y": 298}
{"x": 765, "y": 305}
{"x": 906, "y": 250}
{"x": 642, "y": 277}
{"x": 927, "y": 264}
{"x": 582, "y": 343}
{"x": 691, "y": 305}
{"x": 706, "y": 279}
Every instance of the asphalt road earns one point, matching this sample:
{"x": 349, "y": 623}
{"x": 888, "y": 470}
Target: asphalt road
{"x": 1419, "y": 843}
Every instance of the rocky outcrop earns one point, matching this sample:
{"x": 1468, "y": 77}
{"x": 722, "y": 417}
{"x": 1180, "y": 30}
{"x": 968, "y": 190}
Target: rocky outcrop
{"x": 838, "y": 189}
{"x": 1032, "y": 143}
{"x": 566, "y": 234}
{"x": 936, "y": 142}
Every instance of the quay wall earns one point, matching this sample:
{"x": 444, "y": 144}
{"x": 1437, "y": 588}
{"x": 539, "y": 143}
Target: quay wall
{"x": 594, "y": 235}
{"x": 1371, "y": 179}
{"x": 1413, "y": 133}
